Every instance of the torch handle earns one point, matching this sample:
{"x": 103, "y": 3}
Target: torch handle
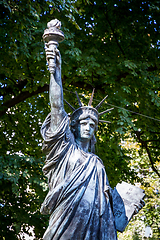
{"x": 50, "y": 49}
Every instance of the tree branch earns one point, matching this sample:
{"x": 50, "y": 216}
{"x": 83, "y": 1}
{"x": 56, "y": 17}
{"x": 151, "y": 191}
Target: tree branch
{"x": 144, "y": 144}
{"x": 156, "y": 140}
{"x": 26, "y": 94}
{"x": 21, "y": 97}
{"x": 154, "y": 147}
{"x": 18, "y": 86}
{"x": 114, "y": 34}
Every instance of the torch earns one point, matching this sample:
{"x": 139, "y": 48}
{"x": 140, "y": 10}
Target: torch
{"x": 52, "y": 36}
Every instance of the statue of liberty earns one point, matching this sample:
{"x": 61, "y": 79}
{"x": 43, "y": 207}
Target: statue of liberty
{"x": 79, "y": 200}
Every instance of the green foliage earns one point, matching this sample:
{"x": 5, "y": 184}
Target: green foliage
{"x": 110, "y": 45}
{"x": 149, "y": 181}
{"x": 23, "y": 188}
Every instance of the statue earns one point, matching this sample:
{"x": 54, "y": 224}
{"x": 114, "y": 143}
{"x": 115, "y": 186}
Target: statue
{"x": 80, "y": 202}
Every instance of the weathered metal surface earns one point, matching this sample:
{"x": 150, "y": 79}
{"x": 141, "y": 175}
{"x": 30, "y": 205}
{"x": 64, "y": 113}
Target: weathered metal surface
{"x": 79, "y": 200}
{"x": 126, "y": 200}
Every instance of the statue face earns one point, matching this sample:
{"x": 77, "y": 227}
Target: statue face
{"x": 85, "y": 129}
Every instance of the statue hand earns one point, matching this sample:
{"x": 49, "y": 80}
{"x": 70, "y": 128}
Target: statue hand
{"x": 53, "y": 58}
{"x": 50, "y": 54}
{"x": 139, "y": 206}
{"x": 58, "y": 56}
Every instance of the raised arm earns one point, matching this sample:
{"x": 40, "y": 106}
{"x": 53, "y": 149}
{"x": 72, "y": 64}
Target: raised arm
{"x": 56, "y": 93}
{"x": 52, "y": 36}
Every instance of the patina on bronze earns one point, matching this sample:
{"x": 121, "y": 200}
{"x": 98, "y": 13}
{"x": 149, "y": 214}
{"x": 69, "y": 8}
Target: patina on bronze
{"x": 80, "y": 200}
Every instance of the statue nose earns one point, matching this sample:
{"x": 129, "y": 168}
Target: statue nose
{"x": 88, "y": 127}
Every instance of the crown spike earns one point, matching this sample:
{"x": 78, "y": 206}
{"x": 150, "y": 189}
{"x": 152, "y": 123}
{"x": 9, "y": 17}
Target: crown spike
{"x": 79, "y": 101}
{"x": 105, "y": 111}
{"x": 98, "y": 106}
{"x": 73, "y": 109}
{"x": 103, "y": 121}
{"x": 91, "y": 99}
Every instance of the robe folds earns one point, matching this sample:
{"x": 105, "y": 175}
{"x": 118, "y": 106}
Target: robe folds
{"x": 79, "y": 200}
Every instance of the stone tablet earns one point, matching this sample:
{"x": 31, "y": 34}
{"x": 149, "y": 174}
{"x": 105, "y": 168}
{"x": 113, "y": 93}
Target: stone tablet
{"x": 126, "y": 197}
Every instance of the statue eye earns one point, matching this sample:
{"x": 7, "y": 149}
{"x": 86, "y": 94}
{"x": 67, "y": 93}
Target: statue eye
{"x": 83, "y": 123}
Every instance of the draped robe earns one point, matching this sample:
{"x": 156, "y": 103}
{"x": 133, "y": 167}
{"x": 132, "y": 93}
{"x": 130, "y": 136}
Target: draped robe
{"x": 79, "y": 200}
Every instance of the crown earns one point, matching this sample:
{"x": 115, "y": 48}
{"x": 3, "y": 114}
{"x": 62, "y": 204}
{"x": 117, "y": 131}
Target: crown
{"x": 87, "y": 111}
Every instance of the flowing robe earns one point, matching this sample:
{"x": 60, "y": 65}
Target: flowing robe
{"x": 79, "y": 198}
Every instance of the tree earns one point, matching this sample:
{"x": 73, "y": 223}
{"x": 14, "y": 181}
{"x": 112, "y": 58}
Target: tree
{"x": 110, "y": 45}
{"x": 148, "y": 180}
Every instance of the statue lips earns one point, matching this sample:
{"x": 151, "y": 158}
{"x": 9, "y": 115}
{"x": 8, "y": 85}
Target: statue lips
{"x": 87, "y": 133}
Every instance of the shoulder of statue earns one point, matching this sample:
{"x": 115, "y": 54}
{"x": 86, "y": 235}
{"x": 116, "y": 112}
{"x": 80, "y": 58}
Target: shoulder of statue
{"x": 99, "y": 159}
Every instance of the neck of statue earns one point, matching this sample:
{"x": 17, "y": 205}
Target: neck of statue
{"x": 84, "y": 145}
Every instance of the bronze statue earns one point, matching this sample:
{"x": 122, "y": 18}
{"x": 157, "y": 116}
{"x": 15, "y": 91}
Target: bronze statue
{"x": 79, "y": 200}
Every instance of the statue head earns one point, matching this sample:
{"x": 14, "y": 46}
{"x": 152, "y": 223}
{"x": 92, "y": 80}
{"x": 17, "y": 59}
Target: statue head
{"x": 83, "y": 125}
{"x": 86, "y": 115}
{"x": 82, "y": 113}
